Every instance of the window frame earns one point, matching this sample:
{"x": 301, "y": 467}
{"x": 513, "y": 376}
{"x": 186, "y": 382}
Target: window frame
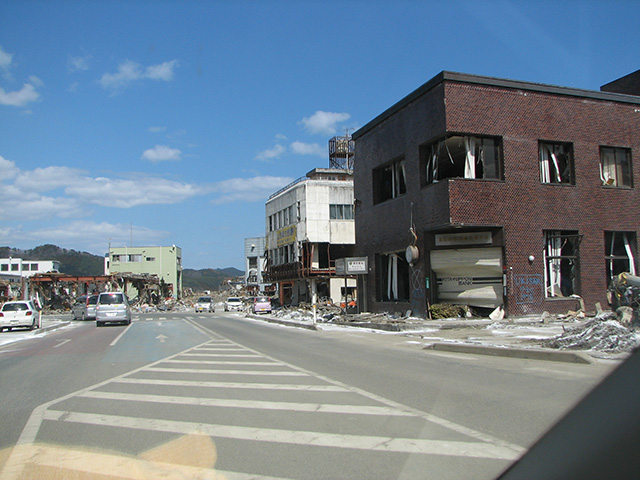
{"x": 564, "y": 168}
{"x": 469, "y": 162}
{"x": 625, "y": 250}
{"x": 393, "y": 277}
{"x": 561, "y": 263}
{"x": 623, "y": 169}
{"x": 389, "y": 180}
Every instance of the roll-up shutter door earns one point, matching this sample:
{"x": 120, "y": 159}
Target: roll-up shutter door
{"x": 469, "y": 276}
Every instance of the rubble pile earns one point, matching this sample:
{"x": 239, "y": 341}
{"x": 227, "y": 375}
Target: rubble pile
{"x": 604, "y": 333}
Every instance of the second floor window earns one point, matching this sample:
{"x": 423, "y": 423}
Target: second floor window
{"x": 461, "y": 156}
{"x": 556, "y": 163}
{"x": 615, "y": 167}
{"x": 389, "y": 181}
{"x": 341, "y": 212}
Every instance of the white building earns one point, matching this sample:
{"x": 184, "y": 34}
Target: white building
{"x": 255, "y": 259}
{"x": 309, "y": 225}
{"x": 26, "y": 268}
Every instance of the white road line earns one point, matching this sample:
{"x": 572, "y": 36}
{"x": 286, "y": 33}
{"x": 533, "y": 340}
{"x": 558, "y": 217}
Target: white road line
{"x": 62, "y": 342}
{"x": 221, "y": 362}
{"x": 121, "y": 335}
{"x": 279, "y": 373}
{"x": 257, "y": 386}
{"x": 252, "y": 404}
{"x": 295, "y": 437}
{"x": 234, "y": 355}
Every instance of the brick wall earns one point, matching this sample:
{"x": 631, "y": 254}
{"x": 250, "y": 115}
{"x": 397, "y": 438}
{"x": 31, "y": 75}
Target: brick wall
{"x": 521, "y": 204}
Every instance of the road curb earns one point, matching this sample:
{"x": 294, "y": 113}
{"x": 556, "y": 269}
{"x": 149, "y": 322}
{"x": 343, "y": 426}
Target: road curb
{"x": 528, "y": 353}
{"x": 282, "y": 322}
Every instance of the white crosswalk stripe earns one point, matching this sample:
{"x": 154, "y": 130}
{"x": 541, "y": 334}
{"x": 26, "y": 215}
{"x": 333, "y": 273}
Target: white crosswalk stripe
{"x": 208, "y": 380}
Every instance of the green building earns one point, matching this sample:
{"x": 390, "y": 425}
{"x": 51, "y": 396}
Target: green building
{"x": 165, "y": 262}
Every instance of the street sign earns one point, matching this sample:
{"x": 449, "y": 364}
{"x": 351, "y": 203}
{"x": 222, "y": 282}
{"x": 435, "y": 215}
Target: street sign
{"x": 352, "y": 266}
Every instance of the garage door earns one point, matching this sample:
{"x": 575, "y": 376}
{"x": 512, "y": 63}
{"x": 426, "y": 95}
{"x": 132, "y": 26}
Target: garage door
{"x": 469, "y": 276}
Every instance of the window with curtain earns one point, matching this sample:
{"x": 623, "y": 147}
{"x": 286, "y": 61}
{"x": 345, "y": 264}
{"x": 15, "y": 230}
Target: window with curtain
{"x": 461, "y": 156}
{"x": 556, "y": 162}
{"x": 561, "y": 255}
{"x": 393, "y": 277}
{"x": 619, "y": 253}
{"x": 389, "y": 181}
{"x": 341, "y": 212}
{"x": 615, "y": 167}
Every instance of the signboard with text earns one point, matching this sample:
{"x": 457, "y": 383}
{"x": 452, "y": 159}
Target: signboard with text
{"x": 352, "y": 266}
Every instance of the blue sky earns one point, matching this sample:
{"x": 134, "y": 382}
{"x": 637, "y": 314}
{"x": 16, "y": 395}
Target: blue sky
{"x": 171, "y": 122}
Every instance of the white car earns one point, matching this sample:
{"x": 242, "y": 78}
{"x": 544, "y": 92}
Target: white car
{"x": 22, "y": 313}
{"x": 233, "y": 303}
{"x": 205, "y": 304}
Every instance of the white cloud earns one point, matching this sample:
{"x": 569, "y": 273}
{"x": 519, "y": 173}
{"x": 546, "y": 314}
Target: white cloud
{"x": 249, "y": 189}
{"x": 120, "y": 193}
{"x": 301, "y": 148}
{"x": 8, "y": 168}
{"x": 78, "y": 64}
{"x": 5, "y": 59}
{"x": 274, "y": 152}
{"x": 129, "y": 72}
{"x": 83, "y": 235}
{"x": 20, "y": 97}
{"x": 324, "y": 122}
{"x": 161, "y": 153}
{"x": 25, "y": 198}
{"x": 156, "y": 129}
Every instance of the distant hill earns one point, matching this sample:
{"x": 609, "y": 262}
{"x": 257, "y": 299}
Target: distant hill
{"x": 208, "y": 278}
{"x": 71, "y": 261}
{"x": 83, "y": 263}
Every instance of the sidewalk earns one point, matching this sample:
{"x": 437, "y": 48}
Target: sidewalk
{"x": 525, "y": 337}
{"x": 47, "y": 324}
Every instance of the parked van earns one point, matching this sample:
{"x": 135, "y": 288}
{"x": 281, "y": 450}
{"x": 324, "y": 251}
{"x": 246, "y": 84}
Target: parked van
{"x": 84, "y": 307}
{"x": 113, "y": 307}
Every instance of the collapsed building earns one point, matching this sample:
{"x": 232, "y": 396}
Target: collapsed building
{"x": 56, "y": 291}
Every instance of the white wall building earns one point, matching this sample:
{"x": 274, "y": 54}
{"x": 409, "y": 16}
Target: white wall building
{"x": 26, "y": 268}
{"x": 255, "y": 259}
{"x": 309, "y": 225}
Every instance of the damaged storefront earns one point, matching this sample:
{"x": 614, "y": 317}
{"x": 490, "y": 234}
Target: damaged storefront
{"x": 467, "y": 268}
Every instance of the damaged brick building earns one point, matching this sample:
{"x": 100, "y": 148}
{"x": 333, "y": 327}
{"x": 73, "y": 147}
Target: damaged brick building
{"x": 491, "y": 193}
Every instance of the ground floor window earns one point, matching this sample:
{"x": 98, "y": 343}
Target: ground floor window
{"x": 393, "y": 277}
{"x": 619, "y": 253}
{"x": 562, "y": 263}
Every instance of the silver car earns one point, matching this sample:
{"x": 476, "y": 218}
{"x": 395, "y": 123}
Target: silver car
{"x": 84, "y": 307}
{"x": 113, "y": 307}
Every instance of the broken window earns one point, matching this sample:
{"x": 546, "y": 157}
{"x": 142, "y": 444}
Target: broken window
{"x": 389, "y": 181}
{"x": 556, "y": 163}
{"x": 393, "y": 277}
{"x": 615, "y": 167}
{"x": 619, "y": 253}
{"x": 561, "y": 254}
{"x": 461, "y": 156}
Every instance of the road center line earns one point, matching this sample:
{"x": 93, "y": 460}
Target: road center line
{"x": 121, "y": 335}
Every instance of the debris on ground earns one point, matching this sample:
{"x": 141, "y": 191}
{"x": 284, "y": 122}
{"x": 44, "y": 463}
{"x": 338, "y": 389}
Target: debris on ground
{"x": 604, "y": 333}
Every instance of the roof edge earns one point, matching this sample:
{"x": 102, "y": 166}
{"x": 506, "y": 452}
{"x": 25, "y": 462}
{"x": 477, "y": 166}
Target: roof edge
{"x": 493, "y": 82}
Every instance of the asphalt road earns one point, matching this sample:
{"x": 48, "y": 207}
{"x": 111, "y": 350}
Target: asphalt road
{"x": 220, "y": 396}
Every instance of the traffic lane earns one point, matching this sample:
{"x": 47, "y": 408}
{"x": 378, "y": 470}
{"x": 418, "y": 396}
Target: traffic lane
{"x": 57, "y": 363}
{"x": 513, "y": 399}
